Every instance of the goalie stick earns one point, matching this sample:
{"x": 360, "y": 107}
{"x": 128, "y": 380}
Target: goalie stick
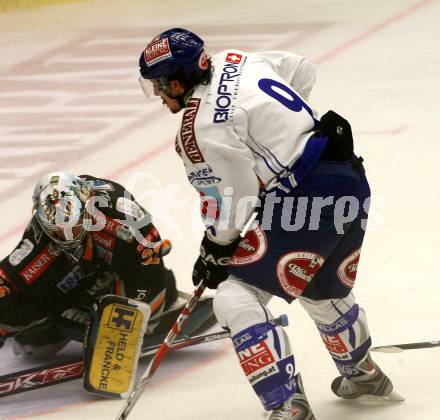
{"x": 43, "y": 376}
{"x": 397, "y": 348}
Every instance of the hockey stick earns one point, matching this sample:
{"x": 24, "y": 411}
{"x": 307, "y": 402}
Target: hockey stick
{"x": 397, "y": 348}
{"x": 42, "y": 376}
{"x": 162, "y": 352}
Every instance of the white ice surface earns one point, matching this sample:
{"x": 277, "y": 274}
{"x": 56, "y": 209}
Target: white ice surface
{"x": 69, "y": 99}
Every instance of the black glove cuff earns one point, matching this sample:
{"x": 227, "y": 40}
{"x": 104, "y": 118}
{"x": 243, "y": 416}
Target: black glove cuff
{"x": 218, "y": 254}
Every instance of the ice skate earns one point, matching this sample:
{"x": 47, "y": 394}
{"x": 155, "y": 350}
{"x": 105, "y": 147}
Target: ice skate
{"x": 372, "y": 384}
{"x": 296, "y": 407}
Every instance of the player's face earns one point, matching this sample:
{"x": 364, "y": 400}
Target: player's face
{"x": 172, "y": 104}
{"x": 168, "y": 94}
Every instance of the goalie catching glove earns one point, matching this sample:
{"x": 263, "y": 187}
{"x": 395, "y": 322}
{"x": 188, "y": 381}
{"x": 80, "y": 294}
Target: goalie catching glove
{"x": 213, "y": 262}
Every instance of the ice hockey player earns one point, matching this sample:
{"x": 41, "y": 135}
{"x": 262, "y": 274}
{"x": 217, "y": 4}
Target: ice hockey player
{"x": 251, "y": 142}
{"x": 79, "y": 245}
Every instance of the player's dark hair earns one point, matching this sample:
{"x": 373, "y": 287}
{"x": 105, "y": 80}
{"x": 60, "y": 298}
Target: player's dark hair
{"x": 194, "y": 78}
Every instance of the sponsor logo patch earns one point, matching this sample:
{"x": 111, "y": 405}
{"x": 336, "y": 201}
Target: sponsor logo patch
{"x": 76, "y": 315}
{"x": 251, "y": 248}
{"x": 45, "y": 376}
{"x": 233, "y": 58}
{"x": 334, "y": 344}
{"x": 106, "y": 241}
{"x": 203, "y": 61}
{"x": 296, "y": 270}
{"x": 242, "y": 339}
{"x": 19, "y": 254}
{"x": 157, "y": 51}
{"x": 116, "y": 345}
{"x": 255, "y": 358}
{"x": 37, "y": 266}
{"x": 117, "y": 229}
{"x": 202, "y": 175}
{"x": 111, "y": 225}
{"x": 265, "y": 373}
{"x": 122, "y": 318}
{"x": 228, "y": 86}
{"x": 347, "y": 271}
{"x": 188, "y": 134}
{"x": 71, "y": 280}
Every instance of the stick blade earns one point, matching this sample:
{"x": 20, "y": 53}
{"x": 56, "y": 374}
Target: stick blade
{"x": 387, "y": 349}
{"x": 397, "y": 348}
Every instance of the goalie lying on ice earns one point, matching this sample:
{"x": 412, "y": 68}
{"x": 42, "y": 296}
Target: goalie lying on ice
{"x": 87, "y": 238}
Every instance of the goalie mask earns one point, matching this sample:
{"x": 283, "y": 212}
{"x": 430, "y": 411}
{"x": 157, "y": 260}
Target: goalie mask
{"x": 59, "y": 200}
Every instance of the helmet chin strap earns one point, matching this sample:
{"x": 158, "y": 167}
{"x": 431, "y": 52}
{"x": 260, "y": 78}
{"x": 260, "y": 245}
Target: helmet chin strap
{"x": 184, "y": 98}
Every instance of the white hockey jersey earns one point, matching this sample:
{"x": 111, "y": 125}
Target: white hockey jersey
{"x": 250, "y": 125}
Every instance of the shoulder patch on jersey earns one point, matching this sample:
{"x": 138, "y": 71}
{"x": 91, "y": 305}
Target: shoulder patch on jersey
{"x": 98, "y": 184}
{"x": 129, "y": 207}
{"x": 188, "y": 134}
{"x": 20, "y": 253}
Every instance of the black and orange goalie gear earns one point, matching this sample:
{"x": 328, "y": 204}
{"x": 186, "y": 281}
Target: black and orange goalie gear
{"x": 113, "y": 345}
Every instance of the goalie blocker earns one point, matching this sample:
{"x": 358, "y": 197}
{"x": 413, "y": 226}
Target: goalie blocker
{"x": 113, "y": 345}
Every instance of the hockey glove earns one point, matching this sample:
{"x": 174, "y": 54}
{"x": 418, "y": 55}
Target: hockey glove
{"x": 213, "y": 262}
{"x": 340, "y": 138}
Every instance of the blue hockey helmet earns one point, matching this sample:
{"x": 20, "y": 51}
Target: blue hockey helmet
{"x": 173, "y": 52}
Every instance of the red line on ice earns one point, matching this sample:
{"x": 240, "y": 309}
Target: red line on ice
{"x": 371, "y": 31}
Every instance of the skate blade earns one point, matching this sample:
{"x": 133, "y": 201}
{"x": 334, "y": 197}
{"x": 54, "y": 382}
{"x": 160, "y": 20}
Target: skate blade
{"x": 393, "y": 397}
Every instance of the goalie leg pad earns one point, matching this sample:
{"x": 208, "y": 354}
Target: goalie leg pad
{"x": 113, "y": 345}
